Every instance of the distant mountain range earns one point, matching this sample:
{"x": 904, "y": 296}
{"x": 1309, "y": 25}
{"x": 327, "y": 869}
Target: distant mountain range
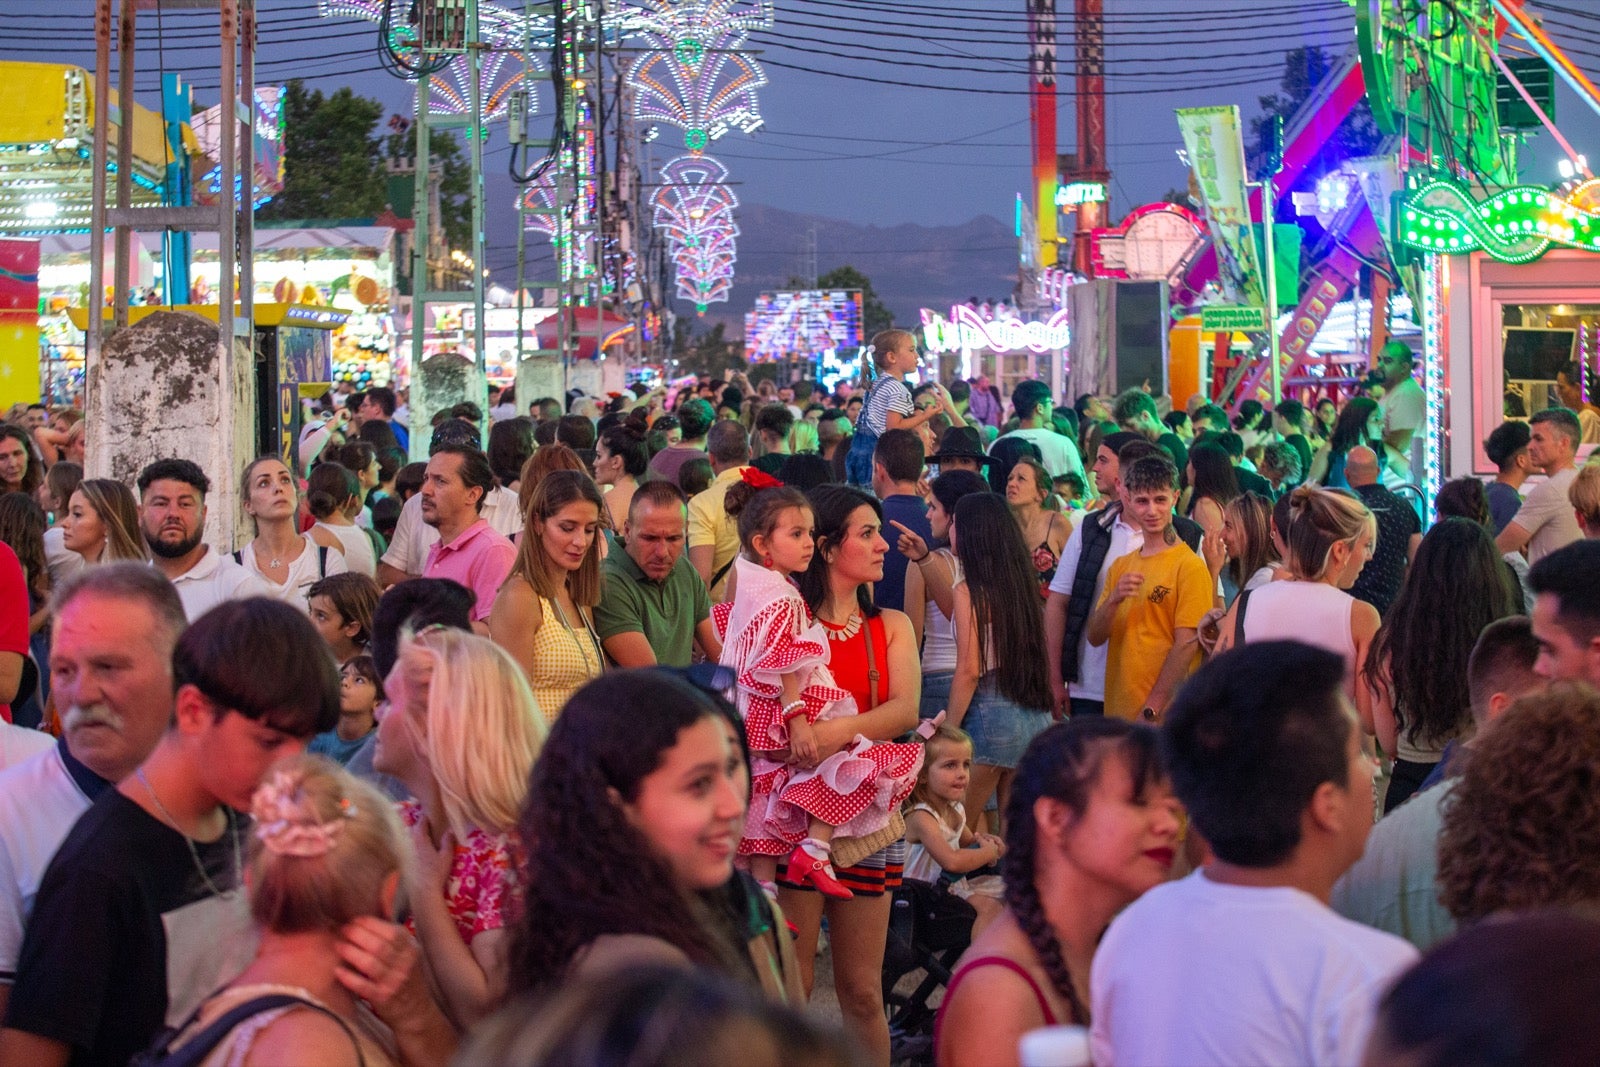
{"x": 911, "y": 266}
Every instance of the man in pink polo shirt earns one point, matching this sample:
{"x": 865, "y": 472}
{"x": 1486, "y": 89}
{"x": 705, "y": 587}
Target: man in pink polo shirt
{"x": 469, "y": 550}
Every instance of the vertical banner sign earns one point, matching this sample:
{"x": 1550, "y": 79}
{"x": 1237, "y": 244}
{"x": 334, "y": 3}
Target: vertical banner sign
{"x": 1042, "y": 112}
{"x": 1216, "y": 152}
{"x": 19, "y": 321}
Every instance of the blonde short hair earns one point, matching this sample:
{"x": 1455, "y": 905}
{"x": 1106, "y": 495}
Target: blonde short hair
{"x": 1584, "y": 494}
{"x": 365, "y": 844}
{"x": 484, "y": 730}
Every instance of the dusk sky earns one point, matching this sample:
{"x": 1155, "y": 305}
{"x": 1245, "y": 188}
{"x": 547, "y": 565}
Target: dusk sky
{"x": 947, "y": 140}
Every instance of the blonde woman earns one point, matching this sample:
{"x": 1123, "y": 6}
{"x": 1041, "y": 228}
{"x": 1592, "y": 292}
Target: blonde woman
{"x": 327, "y": 851}
{"x": 1584, "y": 493}
{"x": 1330, "y": 538}
{"x": 544, "y": 615}
{"x": 102, "y": 523}
{"x": 462, "y": 733}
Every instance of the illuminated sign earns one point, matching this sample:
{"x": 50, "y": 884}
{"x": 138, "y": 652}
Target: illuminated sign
{"x": 1217, "y": 319}
{"x": 1074, "y": 193}
{"x": 966, "y": 329}
{"x": 1515, "y": 225}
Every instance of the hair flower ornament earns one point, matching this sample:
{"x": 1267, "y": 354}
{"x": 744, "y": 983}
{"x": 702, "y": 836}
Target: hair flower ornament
{"x": 759, "y": 479}
{"x": 283, "y": 826}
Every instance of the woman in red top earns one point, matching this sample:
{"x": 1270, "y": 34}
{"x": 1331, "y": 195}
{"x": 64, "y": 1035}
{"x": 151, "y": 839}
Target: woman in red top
{"x": 887, "y": 684}
{"x": 1091, "y": 825}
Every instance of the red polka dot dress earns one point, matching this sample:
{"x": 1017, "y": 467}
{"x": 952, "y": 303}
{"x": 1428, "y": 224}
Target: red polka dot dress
{"x": 768, "y": 633}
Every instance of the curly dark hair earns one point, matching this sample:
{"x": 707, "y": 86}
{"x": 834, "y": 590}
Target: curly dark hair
{"x": 589, "y": 872}
{"x": 1522, "y": 825}
{"x": 1457, "y": 585}
{"x": 1351, "y": 429}
{"x": 1063, "y": 763}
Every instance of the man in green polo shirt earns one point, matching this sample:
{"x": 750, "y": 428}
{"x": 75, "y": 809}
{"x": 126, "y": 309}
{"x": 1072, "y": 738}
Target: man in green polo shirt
{"x": 654, "y": 609}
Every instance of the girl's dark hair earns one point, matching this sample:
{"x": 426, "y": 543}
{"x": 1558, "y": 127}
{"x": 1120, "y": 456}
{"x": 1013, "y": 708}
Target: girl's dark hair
{"x": 510, "y": 445}
{"x": 626, "y": 441}
{"x": 1214, "y": 477}
{"x": 1463, "y": 498}
{"x": 329, "y": 487}
{"x": 1005, "y": 454}
{"x": 951, "y": 486}
{"x": 1004, "y": 589}
{"x": 367, "y": 667}
{"x": 589, "y": 871}
{"x": 352, "y": 455}
{"x": 1456, "y": 585}
{"x": 758, "y": 509}
{"x": 380, "y": 435}
{"x": 22, "y": 524}
{"x": 831, "y": 507}
{"x": 1063, "y": 764}
{"x": 695, "y": 475}
{"x": 1254, "y": 516}
{"x": 1351, "y": 429}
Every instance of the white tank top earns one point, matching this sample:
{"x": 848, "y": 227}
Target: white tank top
{"x": 1312, "y": 612}
{"x": 938, "y": 633}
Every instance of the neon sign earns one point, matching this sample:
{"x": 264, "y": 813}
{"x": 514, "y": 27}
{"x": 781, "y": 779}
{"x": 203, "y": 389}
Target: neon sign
{"x": 966, "y": 329}
{"x": 1074, "y": 193}
{"x": 1515, "y": 225}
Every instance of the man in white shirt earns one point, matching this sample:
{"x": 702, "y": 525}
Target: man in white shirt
{"x": 1546, "y": 521}
{"x": 1033, "y": 405}
{"x": 172, "y": 517}
{"x": 111, "y": 663}
{"x": 1243, "y": 961}
{"x": 1405, "y": 409}
{"x": 408, "y": 548}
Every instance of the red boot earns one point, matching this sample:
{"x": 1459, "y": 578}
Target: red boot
{"x": 804, "y": 867}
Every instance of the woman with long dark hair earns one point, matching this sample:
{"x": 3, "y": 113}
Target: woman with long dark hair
{"x": 874, "y": 657}
{"x": 621, "y": 458}
{"x": 631, "y": 824}
{"x": 931, "y": 583}
{"x": 1417, "y": 669}
{"x": 1213, "y": 485}
{"x": 1360, "y": 423}
{"x": 1091, "y": 825}
{"x": 1001, "y": 698}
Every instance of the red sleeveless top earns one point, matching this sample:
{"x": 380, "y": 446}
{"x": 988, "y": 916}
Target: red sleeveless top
{"x": 848, "y": 661}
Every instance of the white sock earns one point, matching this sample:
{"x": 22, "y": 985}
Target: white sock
{"x": 770, "y": 889}
{"x": 819, "y": 850}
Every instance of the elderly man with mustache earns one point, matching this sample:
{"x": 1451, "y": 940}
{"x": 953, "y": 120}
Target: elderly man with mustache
{"x": 115, "y": 630}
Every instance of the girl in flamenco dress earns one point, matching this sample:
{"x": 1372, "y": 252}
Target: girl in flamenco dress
{"x": 799, "y": 803}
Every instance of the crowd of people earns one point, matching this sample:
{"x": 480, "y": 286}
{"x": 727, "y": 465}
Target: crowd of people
{"x": 586, "y": 732}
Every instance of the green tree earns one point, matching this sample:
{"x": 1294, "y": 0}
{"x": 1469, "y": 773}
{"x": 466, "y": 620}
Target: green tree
{"x": 874, "y": 315}
{"x": 455, "y": 181}
{"x": 332, "y": 160}
{"x": 1303, "y": 70}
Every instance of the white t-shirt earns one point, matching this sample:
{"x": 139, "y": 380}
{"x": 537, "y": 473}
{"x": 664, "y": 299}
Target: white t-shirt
{"x": 1200, "y": 973}
{"x": 1091, "y": 683}
{"x": 408, "y": 549}
{"x": 358, "y": 554}
{"x": 18, "y": 743}
{"x": 1405, "y": 407}
{"x": 305, "y": 570}
{"x": 214, "y": 579}
{"x": 39, "y": 802}
{"x": 60, "y": 560}
{"x": 1059, "y": 454}
{"x": 1548, "y": 515}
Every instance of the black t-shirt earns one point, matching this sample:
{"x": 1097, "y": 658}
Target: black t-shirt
{"x": 96, "y": 965}
{"x": 1180, "y": 455}
{"x": 1298, "y": 442}
{"x": 1380, "y": 579}
{"x": 770, "y": 463}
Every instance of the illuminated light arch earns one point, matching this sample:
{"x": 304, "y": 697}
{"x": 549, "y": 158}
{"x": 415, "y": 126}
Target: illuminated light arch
{"x": 1514, "y": 225}
{"x": 503, "y": 74}
{"x": 706, "y": 100}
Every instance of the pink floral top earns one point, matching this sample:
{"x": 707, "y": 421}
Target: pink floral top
{"x": 484, "y": 889}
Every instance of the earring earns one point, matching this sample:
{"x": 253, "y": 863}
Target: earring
{"x": 766, "y": 561}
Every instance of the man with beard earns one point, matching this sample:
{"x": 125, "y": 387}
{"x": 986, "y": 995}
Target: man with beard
{"x": 111, "y": 665}
{"x": 172, "y": 515}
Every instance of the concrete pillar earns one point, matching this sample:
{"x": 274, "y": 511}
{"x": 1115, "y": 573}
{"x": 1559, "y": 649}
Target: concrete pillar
{"x": 166, "y": 388}
{"x": 441, "y": 382}
{"x": 537, "y": 377}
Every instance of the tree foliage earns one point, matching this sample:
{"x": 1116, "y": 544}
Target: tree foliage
{"x": 1303, "y": 70}
{"x": 332, "y": 160}
{"x": 455, "y": 181}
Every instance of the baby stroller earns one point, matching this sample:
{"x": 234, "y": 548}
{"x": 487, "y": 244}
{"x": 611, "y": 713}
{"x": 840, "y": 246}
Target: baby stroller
{"x": 929, "y": 929}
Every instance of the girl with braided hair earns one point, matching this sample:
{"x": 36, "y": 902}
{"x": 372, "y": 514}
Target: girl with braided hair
{"x": 1091, "y": 825}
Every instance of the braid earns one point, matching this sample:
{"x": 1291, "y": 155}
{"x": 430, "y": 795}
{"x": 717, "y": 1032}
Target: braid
{"x": 1022, "y": 897}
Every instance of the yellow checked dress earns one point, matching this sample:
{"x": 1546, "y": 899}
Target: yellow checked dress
{"x": 564, "y": 658}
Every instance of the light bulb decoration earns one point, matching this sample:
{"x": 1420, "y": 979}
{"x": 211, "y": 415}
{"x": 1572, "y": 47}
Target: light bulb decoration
{"x": 1514, "y": 225}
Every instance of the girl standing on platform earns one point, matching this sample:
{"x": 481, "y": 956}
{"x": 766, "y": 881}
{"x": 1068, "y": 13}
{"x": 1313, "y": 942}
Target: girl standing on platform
{"x": 780, "y": 656}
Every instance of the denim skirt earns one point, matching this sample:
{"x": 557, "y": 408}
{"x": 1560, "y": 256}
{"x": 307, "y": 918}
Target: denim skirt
{"x": 935, "y": 693}
{"x": 1001, "y": 729}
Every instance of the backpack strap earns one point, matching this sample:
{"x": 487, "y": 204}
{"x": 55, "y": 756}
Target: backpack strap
{"x": 1238, "y": 618}
{"x": 196, "y": 1049}
{"x": 322, "y": 561}
{"x": 723, "y": 570}
{"x": 238, "y": 557}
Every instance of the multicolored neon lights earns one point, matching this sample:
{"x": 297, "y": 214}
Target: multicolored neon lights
{"x": 693, "y": 209}
{"x": 966, "y": 329}
{"x": 1515, "y": 225}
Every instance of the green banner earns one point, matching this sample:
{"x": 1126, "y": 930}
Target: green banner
{"x": 1224, "y": 319}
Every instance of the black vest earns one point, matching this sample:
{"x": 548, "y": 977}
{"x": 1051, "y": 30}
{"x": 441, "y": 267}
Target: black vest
{"x": 1081, "y": 601}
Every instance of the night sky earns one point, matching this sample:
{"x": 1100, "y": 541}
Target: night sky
{"x": 946, "y": 139}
